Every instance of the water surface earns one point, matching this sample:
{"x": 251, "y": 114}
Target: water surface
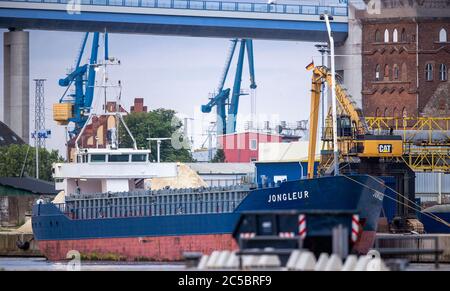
{"x": 41, "y": 264}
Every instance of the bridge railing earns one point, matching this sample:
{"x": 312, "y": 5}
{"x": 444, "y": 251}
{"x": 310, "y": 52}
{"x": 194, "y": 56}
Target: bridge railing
{"x": 307, "y": 9}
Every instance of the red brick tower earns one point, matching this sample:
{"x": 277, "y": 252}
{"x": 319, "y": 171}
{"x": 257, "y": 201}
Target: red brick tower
{"x": 138, "y": 105}
{"x": 406, "y": 59}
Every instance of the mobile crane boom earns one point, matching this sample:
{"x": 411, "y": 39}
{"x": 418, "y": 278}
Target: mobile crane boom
{"x": 354, "y": 138}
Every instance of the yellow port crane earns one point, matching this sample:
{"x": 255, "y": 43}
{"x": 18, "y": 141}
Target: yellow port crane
{"x": 422, "y": 143}
{"x": 378, "y": 147}
{"x": 354, "y": 138}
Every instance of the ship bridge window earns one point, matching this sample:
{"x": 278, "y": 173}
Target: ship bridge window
{"x": 98, "y": 158}
{"x": 139, "y": 158}
{"x": 119, "y": 158}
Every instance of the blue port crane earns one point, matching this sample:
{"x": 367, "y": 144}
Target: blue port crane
{"x": 75, "y": 107}
{"x": 226, "y": 121}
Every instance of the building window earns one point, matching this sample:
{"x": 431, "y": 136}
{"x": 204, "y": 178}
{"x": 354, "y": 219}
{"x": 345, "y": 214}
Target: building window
{"x": 377, "y": 36}
{"x": 442, "y": 35}
{"x": 404, "y": 112}
{"x": 429, "y": 72}
{"x": 404, "y": 72}
{"x": 386, "y": 35}
{"x": 386, "y": 72}
{"x": 443, "y": 72}
{"x": 377, "y": 73}
{"x": 395, "y": 35}
{"x": 396, "y": 73}
{"x": 253, "y": 144}
{"x": 403, "y": 36}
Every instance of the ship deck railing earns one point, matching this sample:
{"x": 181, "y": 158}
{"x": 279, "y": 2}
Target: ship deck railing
{"x": 160, "y": 192}
{"x": 146, "y": 210}
{"x": 154, "y": 202}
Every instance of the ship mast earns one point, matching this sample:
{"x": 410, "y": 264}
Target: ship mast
{"x": 114, "y": 132}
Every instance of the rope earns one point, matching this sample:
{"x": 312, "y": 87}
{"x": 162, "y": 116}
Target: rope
{"x": 419, "y": 208}
{"x": 430, "y": 215}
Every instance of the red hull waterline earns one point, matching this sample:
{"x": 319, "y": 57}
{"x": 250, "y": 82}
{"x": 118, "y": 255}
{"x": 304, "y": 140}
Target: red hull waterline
{"x": 164, "y": 249}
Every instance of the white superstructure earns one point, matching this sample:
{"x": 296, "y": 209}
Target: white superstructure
{"x": 108, "y": 170}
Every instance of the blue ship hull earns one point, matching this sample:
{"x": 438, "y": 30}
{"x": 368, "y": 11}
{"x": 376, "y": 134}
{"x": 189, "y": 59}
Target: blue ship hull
{"x": 201, "y": 232}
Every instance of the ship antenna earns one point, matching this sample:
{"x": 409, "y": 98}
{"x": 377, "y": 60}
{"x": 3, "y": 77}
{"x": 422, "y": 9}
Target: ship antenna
{"x": 120, "y": 117}
{"x": 118, "y": 114}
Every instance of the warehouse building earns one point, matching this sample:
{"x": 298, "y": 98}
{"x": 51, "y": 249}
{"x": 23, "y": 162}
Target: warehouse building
{"x": 17, "y": 196}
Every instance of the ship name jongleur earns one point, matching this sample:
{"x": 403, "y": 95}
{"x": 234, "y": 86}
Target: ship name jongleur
{"x": 288, "y": 196}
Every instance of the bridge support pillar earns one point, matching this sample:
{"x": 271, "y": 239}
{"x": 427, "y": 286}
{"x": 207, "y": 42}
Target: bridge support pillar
{"x": 349, "y": 57}
{"x": 16, "y": 83}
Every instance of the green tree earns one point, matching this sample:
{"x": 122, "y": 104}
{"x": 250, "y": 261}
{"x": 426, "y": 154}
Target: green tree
{"x": 159, "y": 123}
{"x": 12, "y": 158}
{"x": 219, "y": 157}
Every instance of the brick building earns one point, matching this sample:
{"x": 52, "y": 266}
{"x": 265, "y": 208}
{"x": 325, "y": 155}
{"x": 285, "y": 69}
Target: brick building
{"x": 243, "y": 147}
{"x": 95, "y": 133}
{"x": 406, "y": 59}
{"x": 138, "y": 106}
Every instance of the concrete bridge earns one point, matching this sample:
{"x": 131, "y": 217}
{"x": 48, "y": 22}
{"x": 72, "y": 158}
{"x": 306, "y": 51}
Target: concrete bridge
{"x": 299, "y": 20}
{"x": 180, "y": 17}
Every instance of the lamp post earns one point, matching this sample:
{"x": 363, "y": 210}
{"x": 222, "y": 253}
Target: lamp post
{"x": 158, "y": 146}
{"x": 327, "y": 19}
{"x": 323, "y": 49}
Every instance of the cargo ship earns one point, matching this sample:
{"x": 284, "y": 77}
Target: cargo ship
{"x": 109, "y": 213}
{"x": 106, "y": 214}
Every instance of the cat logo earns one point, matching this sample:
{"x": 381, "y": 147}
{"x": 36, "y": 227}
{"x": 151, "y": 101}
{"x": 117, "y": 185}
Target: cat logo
{"x": 385, "y": 148}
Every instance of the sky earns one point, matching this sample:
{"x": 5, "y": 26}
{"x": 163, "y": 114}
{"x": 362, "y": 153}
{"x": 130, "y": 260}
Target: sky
{"x": 177, "y": 73}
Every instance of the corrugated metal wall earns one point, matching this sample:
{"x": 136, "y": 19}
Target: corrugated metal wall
{"x": 428, "y": 183}
{"x": 427, "y": 186}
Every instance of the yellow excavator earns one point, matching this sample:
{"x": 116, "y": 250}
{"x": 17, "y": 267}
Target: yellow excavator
{"x": 354, "y": 138}
{"x": 359, "y": 151}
